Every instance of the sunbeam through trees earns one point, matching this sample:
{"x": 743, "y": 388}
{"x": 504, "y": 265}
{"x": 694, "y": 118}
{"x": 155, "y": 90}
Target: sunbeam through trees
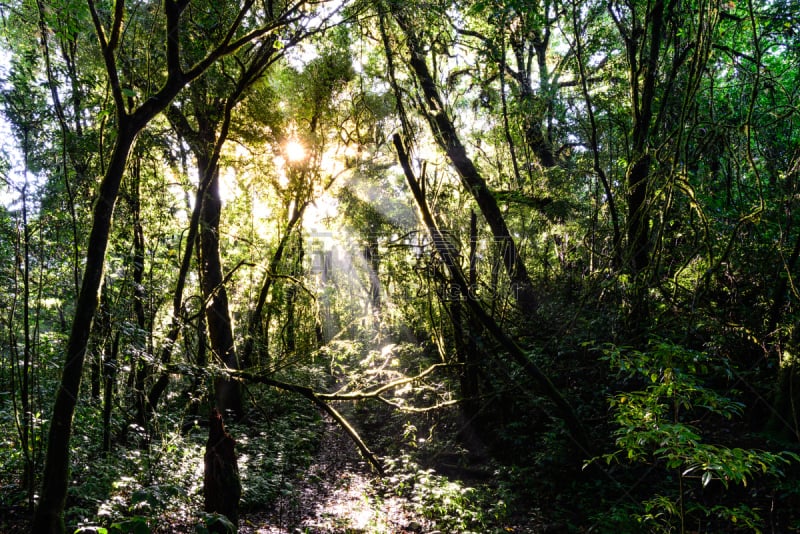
{"x": 343, "y": 266}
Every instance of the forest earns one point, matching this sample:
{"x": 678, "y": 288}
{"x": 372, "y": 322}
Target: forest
{"x": 418, "y": 266}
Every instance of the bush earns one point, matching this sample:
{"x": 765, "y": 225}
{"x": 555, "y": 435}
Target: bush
{"x": 657, "y": 425}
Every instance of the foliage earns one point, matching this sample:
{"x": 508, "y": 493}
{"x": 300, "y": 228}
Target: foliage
{"x": 656, "y": 427}
{"x": 274, "y": 453}
{"x": 136, "y": 490}
{"x": 621, "y": 175}
{"x": 215, "y": 521}
{"x": 449, "y": 505}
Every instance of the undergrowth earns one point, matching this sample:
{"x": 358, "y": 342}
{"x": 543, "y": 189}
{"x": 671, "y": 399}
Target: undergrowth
{"x": 449, "y": 505}
{"x": 157, "y": 487}
{"x": 659, "y": 425}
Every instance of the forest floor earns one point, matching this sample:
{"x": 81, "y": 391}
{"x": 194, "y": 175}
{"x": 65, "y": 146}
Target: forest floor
{"x": 339, "y": 493}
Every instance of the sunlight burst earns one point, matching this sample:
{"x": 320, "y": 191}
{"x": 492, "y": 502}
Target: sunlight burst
{"x": 295, "y": 151}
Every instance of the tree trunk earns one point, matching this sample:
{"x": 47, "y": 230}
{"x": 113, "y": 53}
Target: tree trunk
{"x": 110, "y": 359}
{"x": 464, "y": 336}
{"x": 206, "y": 143}
{"x": 373, "y": 259}
{"x": 228, "y": 394}
{"x": 643, "y": 78}
{"x": 469, "y": 375}
{"x": 221, "y": 486}
{"x": 291, "y": 296}
{"x": 48, "y": 517}
{"x": 142, "y": 368}
{"x": 446, "y": 136}
{"x": 28, "y": 475}
{"x": 638, "y": 219}
{"x": 154, "y": 395}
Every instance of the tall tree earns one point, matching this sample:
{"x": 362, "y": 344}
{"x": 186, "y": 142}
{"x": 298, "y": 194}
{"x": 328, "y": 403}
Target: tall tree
{"x": 642, "y": 35}
{"x": 23, "y": 104}
{"x": 130, "y": 119}
{"x": 206, "y": 139}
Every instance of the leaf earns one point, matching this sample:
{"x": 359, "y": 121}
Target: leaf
{"x": 706, "y": 478}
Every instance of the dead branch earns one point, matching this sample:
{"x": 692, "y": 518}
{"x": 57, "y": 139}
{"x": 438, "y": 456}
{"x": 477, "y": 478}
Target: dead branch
{"x": 320, "y": 402}
{"x": 372, "y": 394}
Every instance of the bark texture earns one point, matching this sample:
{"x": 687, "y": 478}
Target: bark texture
{"x": 221, "y": 486}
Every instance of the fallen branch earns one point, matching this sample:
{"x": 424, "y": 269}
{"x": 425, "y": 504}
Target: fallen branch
{"x": 362, "y": 395}
{"x": 322, "y": 400}
{"x": 415, "y": 409}
{"x": 318, "y": 400}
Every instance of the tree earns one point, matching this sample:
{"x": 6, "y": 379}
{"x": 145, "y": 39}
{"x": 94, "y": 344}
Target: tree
{"x": 130, "y": 120}
{"x": 206, "y": 141}
{"x": 565, "y": 411}
{"x": 446, "y": 136}
{"x": 23, "y": 106}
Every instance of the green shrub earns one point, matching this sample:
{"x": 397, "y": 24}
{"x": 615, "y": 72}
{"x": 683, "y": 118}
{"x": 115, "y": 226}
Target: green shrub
{"x": 449, "y": 505}
{"x": 658, "y": 426}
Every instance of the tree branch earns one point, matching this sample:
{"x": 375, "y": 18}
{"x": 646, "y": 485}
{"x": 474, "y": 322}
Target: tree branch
{"x": 364, "y": 395}
{"x": 320, "y": 402}
{"x": 565, "y": 411}
{"x": 116, "y": 26}
{"x": 108, "y": 56}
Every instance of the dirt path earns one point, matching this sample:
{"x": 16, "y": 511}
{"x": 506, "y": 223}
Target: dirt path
{"x": 337, "y": 494}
